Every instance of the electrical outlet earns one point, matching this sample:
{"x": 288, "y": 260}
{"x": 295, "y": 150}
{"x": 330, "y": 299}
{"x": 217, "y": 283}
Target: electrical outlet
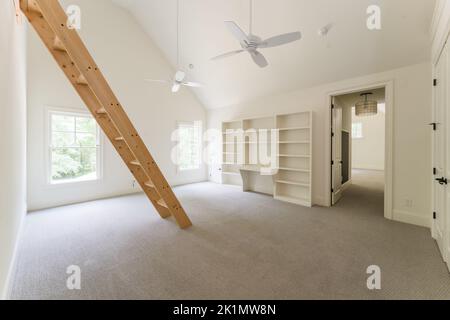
{"x": 409, "y": 203}
{"x": 134, "y": 184}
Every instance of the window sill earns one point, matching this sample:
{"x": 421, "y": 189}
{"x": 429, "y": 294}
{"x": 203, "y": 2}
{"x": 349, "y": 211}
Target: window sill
{"x": 66, "y": 184}
{"x": 188, "y": 170}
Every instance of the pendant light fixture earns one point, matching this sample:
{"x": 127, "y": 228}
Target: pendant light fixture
{"x": 367, "y": 107}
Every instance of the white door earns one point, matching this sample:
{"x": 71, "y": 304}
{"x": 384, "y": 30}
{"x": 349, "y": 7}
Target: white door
{"x": 336, "y": 163}
{"x": 447, "y": 145}
{"x": 441, "y": 156}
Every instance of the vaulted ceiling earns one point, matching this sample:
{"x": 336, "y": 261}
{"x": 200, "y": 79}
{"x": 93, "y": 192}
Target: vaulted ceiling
{"x": 349, "y": 50}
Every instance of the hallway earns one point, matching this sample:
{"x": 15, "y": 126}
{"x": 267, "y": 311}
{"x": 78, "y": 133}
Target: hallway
{"x": 366, "y": 191}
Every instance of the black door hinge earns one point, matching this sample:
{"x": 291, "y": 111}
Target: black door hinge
{"x": 332, "y": 190}
{"x": 332, "y": 134}
{"x": 442, "y": 181}
{"x": 434, "y": 215}
{"x": 332, "y": 162}
{"x": 332, "y": 106}
{"x": 434, "y": 171}
{"x": 434, "y": 82}
{"x": 434, "y": 125}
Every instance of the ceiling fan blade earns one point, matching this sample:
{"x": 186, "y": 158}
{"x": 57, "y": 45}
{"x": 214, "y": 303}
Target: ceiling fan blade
{"x": 228, "y": 54}
{"x": 280, "y": 40}
{"x": 179, "y": 76}
{"x": 259, "y": 59}
{"x": 176, "y": 87}
{"x": 236, "y": 31}
{"x": 193, "y": 84}
{"x": 159, "y": 81}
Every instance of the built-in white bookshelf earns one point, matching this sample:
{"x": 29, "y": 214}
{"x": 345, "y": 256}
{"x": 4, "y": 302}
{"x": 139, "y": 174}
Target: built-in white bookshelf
{"x": 293, "y": 183}
{"x": 232, "y": 148}
{"x": 290, "y": 178}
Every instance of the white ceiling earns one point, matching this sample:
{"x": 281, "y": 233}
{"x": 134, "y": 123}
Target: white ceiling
{"x": 350, "y": 49}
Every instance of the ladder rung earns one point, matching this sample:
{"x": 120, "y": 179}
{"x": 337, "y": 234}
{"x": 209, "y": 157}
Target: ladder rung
{"x": 58, "y": 45}
{"x": 162, "y": 203}
{"x": 120, "y": 139}
{"x": 101, "y": 111}
{"x": 135, "y": 163}
{"x": 150, "y": 185}
{"x": 33, "y": 6}
{"x": 82, "y": 80}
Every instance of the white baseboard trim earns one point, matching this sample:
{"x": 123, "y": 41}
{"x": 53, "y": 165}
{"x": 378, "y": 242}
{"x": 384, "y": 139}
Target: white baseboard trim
{"x": 374, "y": 168}
{"x": 320, "y": 201}
{"x": 448, "y": 258}
{"x": 346, "y": 185}
{"x": 12, "y": 266}
{"x": 411, "y": 218}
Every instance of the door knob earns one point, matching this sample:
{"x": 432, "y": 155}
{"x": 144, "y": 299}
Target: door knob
{"x": 442, "y": 181}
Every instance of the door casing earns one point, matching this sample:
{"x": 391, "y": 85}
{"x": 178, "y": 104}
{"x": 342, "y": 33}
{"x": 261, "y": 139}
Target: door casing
{"x": 388, "y": 85}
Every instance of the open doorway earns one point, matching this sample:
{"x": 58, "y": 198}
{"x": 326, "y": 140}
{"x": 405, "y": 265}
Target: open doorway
{"x": 359, "y": 146}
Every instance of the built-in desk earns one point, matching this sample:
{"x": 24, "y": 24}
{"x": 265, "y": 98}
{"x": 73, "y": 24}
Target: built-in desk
{"x": 256, "y": 180}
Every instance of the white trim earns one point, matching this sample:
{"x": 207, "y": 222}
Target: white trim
{"x": 12, "y": 266}
{"x": 363, "y": 167}
{"x": 389, "y": 144}
{"x": 48, "y": 110}
{"x": 411, "y": 218}
{"x": 347, "y": 185}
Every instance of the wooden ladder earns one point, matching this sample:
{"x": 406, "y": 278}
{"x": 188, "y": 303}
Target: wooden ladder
{"x": 49, "y": 20}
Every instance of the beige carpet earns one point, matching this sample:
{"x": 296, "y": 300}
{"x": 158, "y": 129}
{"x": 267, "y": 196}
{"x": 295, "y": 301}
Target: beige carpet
{"x": 243, "y": 246}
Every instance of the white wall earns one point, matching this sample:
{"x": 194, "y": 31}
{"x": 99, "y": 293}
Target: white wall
{"x": 412, "y": 113}
{"x": 13, "y": 133}
{"x": 368, "y": 152}
{"x": 126, "y": 56}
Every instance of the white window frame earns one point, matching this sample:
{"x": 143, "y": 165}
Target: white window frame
{"x": 48, "y": 147}
{"x": 353, "y": 131}
{"x": 199, "y": 125}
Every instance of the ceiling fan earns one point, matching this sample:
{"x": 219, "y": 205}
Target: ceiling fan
{"x": 251, "y": 43}
{"x": 179, "y": 79}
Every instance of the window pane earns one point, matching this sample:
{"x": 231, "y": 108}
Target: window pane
{"x": 63, "y": 123}
{"x": 63, "y": 139}
{"x": 74, "y": 148}
{"x": 87, "y": 125}
{"x": 189, "y": 147}
{"x": 66, "y": 163}
{"x": 357, "y": 131}
{"x": 88, "y": 161}
{"x": 74, "y": 164}
{"x": 86, "y": 140}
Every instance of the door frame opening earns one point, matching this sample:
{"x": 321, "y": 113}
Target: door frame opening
{"x": 389, "y": 139}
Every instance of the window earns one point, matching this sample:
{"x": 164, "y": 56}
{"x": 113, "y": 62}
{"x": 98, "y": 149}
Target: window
{"x": 357, "y": 130}
{"x": 74, "y": 147}
{"x": 189, "y": 145}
